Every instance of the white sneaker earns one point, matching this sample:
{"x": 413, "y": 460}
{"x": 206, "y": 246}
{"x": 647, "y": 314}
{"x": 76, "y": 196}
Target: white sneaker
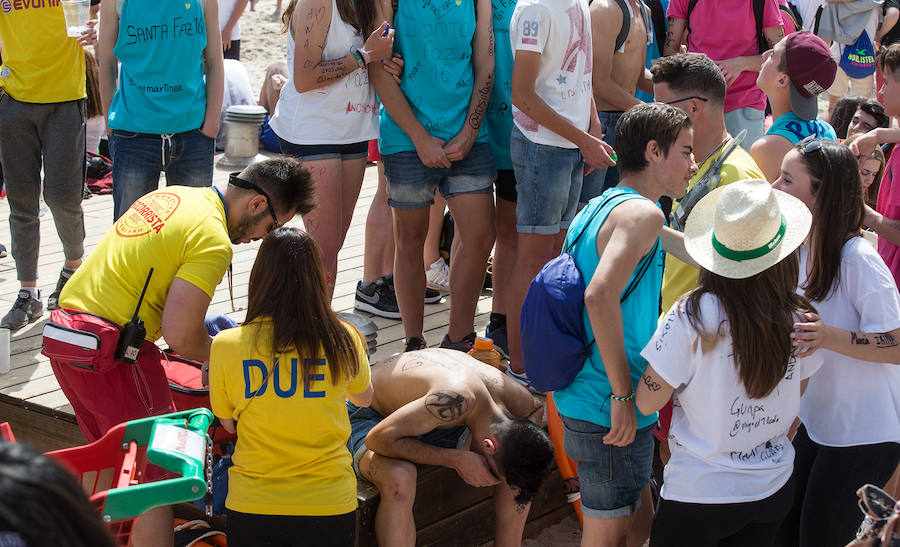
{"x": 437, "y": 276}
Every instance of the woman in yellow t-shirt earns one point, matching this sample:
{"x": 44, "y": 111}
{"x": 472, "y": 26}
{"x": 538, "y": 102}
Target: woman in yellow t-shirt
{"x": 280, "y": 380}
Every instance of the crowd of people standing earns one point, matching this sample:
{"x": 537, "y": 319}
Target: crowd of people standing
{"x": 746, "y": 339}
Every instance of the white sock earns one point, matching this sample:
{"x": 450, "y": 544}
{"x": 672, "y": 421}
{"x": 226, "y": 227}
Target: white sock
{"x": 33, "y": 291}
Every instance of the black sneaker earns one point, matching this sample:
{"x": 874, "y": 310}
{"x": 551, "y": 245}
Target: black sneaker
{"x": 414, "y": 343}
{"x": 53, "y": 299}
{"x": 500, "y": 338}
{"x": 2, "y": 250}
{"x": 377, "y": 298}
{"x": 25, "y": 310}
{"x": 463, "y": 345}
{"x": 431, "y": 296}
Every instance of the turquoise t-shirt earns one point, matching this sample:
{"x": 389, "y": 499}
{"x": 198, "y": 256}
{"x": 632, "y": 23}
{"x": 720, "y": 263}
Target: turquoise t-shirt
{"x": 162, "y": 88}
{"x": 587, "y": 397}
{"x": 435, "y": 39}
{"x": 499, "y": 114}
{"x": 795, "y": 129}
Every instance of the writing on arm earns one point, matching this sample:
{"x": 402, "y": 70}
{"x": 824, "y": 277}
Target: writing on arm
{"x": 674, "y": 36}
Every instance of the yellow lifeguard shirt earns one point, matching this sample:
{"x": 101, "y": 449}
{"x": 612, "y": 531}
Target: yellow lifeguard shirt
{"x": 40, "y": 63}
{"x": 678, "y": 277}
{"x": 291, "y": 456}
{"x": 178, "y": 231}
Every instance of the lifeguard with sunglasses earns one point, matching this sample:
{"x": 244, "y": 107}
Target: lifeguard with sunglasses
{"x": 184, "y": 234}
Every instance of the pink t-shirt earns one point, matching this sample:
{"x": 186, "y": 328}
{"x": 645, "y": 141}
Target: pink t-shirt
{"x": 889, "y": 206}
{"x": 725, "y": 29}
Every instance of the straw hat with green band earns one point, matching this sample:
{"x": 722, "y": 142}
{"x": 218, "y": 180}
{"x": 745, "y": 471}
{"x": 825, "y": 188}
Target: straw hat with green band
{"x": 741, "y": 229}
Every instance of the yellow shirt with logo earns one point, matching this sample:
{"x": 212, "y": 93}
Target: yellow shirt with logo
{"x": 41, "y": 64}
{"x": 678, "y": 277}
{"x": 291, "y": 456}
{"x": 178, "y": 231}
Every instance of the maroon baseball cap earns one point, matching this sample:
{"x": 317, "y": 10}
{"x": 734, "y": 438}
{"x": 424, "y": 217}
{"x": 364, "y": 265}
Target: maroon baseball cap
{"x": 811, "y": 69}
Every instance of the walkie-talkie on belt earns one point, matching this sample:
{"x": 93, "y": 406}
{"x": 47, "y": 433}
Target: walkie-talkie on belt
{"x": 133, "y": 333}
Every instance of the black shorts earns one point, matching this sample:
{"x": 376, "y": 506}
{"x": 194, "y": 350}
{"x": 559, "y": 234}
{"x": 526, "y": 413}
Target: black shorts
{"x": 312, "y": 152}
{"x": 234, "y": 51}
{"x": 249, "y": 530}
{"x": 506, "y": 185}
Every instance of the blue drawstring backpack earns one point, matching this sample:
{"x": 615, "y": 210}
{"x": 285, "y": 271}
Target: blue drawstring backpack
{"x": 552, "y": 325}
{"x": 858, "y": 58}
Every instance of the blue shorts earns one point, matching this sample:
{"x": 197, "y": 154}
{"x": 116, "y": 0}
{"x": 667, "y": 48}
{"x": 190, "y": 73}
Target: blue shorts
{"x": 363, "y": 419}
{"x": 611, "y": 477}
{"x": 548, "y": 184}
{"x": 601, "y": 180}
{"x": 411, "y": 185}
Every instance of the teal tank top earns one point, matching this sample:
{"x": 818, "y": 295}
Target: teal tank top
{"x": 795, "y": 129}
{"x": 162, "y": 88}
{"x": 435, "y": 39}
{"x": 587, "y": 397}
{"x": 499, "y": 114}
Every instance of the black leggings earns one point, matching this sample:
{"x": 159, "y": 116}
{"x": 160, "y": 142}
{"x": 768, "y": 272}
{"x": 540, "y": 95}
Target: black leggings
{"x": 750, "y": 524}
{"x": 825, "y": 511}
{"x": 249, "y": 530}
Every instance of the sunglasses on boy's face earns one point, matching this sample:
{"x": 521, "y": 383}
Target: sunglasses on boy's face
{"x": 236, "y": 180}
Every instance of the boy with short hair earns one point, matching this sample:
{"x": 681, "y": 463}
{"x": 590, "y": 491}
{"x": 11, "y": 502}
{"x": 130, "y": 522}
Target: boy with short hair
{"x": 620, "y": 248}
{"x": 793, "y": 74}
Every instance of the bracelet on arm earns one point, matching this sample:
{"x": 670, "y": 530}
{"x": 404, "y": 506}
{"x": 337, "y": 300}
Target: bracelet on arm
{"x": 360, "y": 61}
{"x": 615, "y": 397}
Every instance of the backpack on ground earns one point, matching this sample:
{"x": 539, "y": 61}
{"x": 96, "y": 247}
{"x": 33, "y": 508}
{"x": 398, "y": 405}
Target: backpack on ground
{"x": 758, "y": 8}
{"x": 552, "y": 319}
{"x": 98, "y": 173}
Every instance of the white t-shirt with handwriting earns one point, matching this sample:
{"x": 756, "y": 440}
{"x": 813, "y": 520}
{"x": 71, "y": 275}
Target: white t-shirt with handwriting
{"x": 726, "y": 447}
{"x": 560, "y": 30}
{"x": 852, "y": 402}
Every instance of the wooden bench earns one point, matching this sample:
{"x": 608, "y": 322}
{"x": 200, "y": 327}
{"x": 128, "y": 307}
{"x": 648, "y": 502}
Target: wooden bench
{"x": 448, "y": 512}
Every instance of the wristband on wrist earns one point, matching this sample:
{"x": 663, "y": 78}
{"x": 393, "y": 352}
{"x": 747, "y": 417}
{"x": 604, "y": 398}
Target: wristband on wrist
{"x": 360, "y": 60}
{"x": 358, "y": 57}
{"x": 615, "y": 397}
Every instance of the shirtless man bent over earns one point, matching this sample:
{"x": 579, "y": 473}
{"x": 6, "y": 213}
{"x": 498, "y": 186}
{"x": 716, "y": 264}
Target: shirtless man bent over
{"x": 445, "y": 408}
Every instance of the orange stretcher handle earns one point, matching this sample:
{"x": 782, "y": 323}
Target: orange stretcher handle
{"x": 568, "y": 469}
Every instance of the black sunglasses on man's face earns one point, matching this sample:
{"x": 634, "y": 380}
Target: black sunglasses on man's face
{"x": 236, "y": 180}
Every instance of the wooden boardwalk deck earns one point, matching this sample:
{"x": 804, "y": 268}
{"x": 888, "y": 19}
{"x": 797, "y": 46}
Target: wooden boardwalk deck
{"x": 29, "y": 390}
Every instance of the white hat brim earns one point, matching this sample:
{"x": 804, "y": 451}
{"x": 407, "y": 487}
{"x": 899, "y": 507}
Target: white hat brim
{"x": 699, "y": 230}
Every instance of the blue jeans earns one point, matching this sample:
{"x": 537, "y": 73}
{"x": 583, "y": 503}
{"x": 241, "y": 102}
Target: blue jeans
{"x": 611, "y": 477}
{"x": 138, "y": 158}
{"x": 600, "y": 180}
{"x": 548, "y": 183}
{"x": 751, "y": 119}
{"x": 411, "y": 185}
{"x": 363, "y": 419}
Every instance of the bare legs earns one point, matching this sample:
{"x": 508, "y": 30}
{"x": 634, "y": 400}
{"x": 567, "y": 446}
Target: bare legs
{"x": 337, "y": 189}
{"x": 378, "y": 259}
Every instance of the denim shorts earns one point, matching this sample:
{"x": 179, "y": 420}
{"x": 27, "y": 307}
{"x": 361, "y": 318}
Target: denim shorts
{"x": 363, "y": 419}
{"x": 312, "y": 152}
{"x": 548, "y": 183}
{"x": 411, "y": 185}
{"x": 611, "y": 477}
{"x": 138, "y": 158}
{"x": 600, "y": 180}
